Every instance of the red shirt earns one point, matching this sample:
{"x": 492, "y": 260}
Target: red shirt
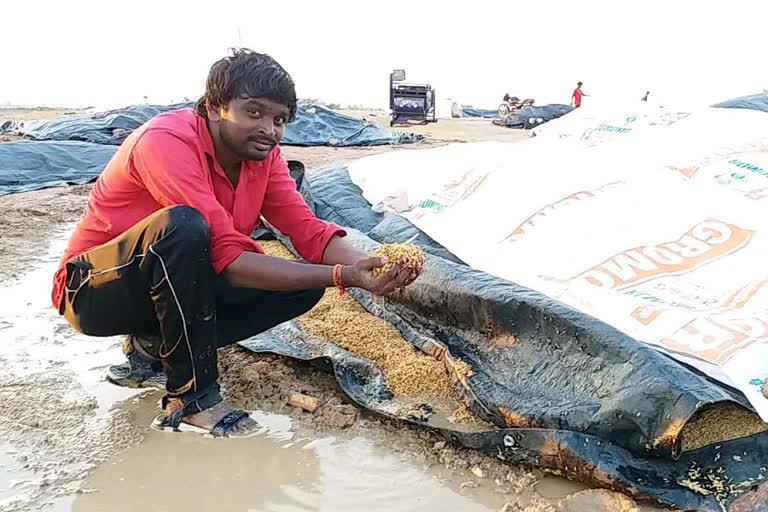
{"x": 577, "y": 94}
{"x": 169, "y": 161}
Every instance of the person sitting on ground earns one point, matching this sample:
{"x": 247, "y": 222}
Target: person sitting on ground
{"x": 576, "y": 96}
{"x": 163, "y": 254}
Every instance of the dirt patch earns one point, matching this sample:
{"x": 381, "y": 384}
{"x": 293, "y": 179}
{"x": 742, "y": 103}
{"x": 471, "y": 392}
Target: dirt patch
{"x": 719, "y": 423}
{"x": 35, "y": 113}
{"x": 598, "y": 500}
{"x": 30, "y": 220}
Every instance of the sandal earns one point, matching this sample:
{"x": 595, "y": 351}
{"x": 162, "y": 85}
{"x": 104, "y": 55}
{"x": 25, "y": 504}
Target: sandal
{"x": 225, "y": 424}
{"x": 175, "y": 408}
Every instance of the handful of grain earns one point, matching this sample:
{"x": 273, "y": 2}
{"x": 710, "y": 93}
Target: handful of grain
{"x": 409, "y": 255}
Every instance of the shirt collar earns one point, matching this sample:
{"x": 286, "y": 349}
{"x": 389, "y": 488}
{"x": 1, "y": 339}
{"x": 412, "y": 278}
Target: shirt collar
{"x": 205, "y": 135}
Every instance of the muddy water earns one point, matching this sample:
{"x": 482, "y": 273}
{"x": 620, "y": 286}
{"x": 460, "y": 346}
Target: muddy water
{"x": 71, "y": 441}
{"x": 272, "y": 471}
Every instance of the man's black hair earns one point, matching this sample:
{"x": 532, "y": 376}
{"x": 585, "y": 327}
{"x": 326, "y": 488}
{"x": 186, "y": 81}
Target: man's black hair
{"x": 579, "y": 84}
{"x": 247, "y": 73}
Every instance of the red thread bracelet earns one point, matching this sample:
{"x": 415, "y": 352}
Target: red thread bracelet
{"x": 337, "y": 279}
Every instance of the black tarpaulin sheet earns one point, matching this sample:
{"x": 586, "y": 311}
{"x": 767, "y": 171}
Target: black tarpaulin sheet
{"x": 565, "y": 391}
{"x": 110, "y": 127}
{"x": 529, "y": 117}
{"x": 753, "y": 102}
{"x": 314, "y": 126}
{"x": 31, "y": 165}
{"x": 318, "y": 126}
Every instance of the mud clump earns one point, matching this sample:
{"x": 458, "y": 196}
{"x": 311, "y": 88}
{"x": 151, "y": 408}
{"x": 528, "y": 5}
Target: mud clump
{"x": 597, "y": 500}
{"x": 406, "y": 254}
{"x": 268, "y": 381}
{"x": 514, "y": 506}
{"x": 337, "y": 415}
{"x": 719, "y": 423}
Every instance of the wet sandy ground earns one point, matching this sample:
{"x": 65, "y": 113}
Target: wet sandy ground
{"x": 71, "y": 441}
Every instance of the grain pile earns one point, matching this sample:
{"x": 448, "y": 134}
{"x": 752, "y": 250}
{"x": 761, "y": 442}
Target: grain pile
{"x": 408, "y": 255}
{"x": 719, "y": 423}
{"x": 409, "y": 372}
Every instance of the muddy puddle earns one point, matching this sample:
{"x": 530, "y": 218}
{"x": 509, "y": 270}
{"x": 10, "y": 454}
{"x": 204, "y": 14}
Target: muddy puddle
{"x": 273, "y": 471}
{"x": 69, "y": 441}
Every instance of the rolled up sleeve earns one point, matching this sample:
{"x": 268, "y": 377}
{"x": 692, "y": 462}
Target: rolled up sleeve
{"x": 285, "y": 209}
{"x": 176, "y": 173}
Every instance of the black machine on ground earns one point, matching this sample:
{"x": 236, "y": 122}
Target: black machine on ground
{"x": 410, "y": 101}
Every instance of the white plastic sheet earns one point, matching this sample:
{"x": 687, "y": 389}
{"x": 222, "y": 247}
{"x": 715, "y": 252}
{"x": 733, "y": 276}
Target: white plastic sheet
{"x": 653, "y": 220}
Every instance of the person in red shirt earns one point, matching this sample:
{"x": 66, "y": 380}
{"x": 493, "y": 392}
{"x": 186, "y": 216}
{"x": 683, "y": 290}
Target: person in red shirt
{"x": 162, "y": 252}
{"x": 577, "y": 95}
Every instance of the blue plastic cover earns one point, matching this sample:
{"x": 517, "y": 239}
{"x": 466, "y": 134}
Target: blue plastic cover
{"x": 30, "y": 165}
{"x": 111, "y": 127}
{"x": 478, "y": 112}
{"x": 753, "y": 101}
{"x": 319, "y": 126}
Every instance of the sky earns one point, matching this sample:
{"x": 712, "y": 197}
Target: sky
{"x": 110, "y": 54}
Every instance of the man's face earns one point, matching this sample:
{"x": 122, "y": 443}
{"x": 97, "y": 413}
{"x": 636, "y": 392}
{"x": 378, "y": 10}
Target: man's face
{"x": 251, "y": 127}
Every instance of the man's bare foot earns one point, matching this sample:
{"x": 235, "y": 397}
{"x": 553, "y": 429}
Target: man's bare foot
{"x": 208, "y": 418}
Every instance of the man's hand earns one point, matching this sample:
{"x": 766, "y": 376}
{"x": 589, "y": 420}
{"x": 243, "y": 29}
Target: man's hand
{"x": 360, "y": 275}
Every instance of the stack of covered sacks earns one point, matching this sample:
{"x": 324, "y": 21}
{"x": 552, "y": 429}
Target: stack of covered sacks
{"x": 74, "y": 149}
{"x": 319, "y": 126}
{"x": 530, "y": 116}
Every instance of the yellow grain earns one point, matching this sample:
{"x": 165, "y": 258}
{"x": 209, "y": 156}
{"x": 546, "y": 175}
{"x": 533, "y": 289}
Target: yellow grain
{"x": 408, "y": 255}
{"x": 341, "y": 320}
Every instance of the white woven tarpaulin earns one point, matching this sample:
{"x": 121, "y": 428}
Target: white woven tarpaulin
{"x": 653, "y": 220}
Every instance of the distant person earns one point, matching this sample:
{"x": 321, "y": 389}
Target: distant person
{"x": 577, "y": 95}
{"x": 645, "y": 98}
